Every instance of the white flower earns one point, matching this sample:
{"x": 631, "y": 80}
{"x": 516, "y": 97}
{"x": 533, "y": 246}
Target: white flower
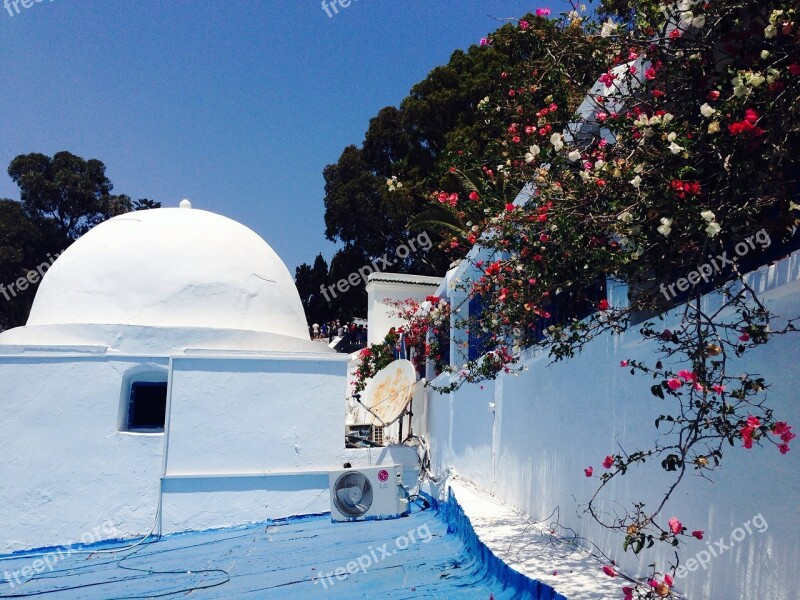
{"x": 557, "y": 142}
{"x": 706, "y": 110}
{"x": 713, "y": 229}
{"x": 675, "y": 149}
{"x": 665, "y": 227}
{"x": 625, "y": 217}
{"x": 770, "y": 31}
{"x": 574, "y": 155}
{"x": 699, "y": 21}
{"x": 671, "y": 136}
{"x": 584, "y": 175}
{"x": 708, "y": 215}
{"x": 608, "y": 28}
{"x": 764, "y": 54}
{"x": 532, "y": 153}
{"x": 713, "y": 127}
{"x": 636, "y": 181}
{"x": 639, "y": 169}
{"x": 667, "y": 118}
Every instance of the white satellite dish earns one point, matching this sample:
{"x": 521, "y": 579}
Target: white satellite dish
{"x": 388, "y": 393}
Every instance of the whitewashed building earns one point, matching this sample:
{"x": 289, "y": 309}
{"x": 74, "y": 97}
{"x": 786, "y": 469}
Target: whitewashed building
{"x": 165, "y": 381}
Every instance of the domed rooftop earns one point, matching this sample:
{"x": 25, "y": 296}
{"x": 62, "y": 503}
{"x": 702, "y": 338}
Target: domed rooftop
{"x": 171, "y": 268}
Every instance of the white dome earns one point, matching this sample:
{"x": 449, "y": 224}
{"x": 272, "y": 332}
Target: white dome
{"x": 169, "y": 268}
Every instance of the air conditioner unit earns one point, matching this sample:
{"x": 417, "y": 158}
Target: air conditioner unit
{"x": 370, "y": 493}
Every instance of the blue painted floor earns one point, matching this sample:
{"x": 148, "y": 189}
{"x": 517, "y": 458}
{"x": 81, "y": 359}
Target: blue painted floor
{"x": 411, "y": 557}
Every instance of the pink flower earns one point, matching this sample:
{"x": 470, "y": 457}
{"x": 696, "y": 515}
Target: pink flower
{"x": 780, "y": 428}
{"x": 674, "y": 383}
{"x": 542, "y": 12}
{"x": 474, "y": 196}
{"x": 753, "y": 422}
{"x": 784, "y": 448}
{"x": 588, "y": 471}
{"x": 608, "y": 462}
{"x": 699, "y": 536}
{"x": 687, "y": 375}
{"x": 668, "y": 579}
{"x": 623, "y": 363}
{"x": 627, "y": 593}
{"x": 485, "y": 41}
{"x": 607, "y": 78}
{"x": 718, "y": 389}
{"x": 524, "y": 25}
{"x": 675, "y": 526}
{"x": 609, "y": 571}
{"x": 650, "y": 73}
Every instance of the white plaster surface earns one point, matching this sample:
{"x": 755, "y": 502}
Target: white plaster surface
{"x": 552, "y": 421}
{"x": 534, "y": 548}
{"x": 171, "y": 267}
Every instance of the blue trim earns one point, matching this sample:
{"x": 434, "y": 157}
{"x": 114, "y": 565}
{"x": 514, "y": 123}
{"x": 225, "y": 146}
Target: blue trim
{"x": 459, "y": 524}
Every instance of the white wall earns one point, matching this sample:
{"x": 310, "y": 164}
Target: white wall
{"x": 552, "y": 421}
{"x": 64, "y": 467}
{"x": 381, "y": 316}
{"x": 248, "y": 439}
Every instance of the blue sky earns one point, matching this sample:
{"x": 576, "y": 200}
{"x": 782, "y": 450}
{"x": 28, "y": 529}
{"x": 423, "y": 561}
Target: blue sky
{"x": 236, "y": 105}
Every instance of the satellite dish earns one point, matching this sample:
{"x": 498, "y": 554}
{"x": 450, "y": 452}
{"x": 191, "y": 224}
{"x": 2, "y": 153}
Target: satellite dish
{"x": 389, "y": 392}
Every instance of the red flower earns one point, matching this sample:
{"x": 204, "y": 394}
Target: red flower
{"x": 745, "y": 337}
{"x": 474, "y": 196}
{"x": 794, "y": 69}
{"x": 668, "y": 579}
{"x": 609, "y": 571}
{"x": 623, "y": 363}
{"x": 650, "y": 73}
{"x": 627, "y": 593}
{"x": 509, "y": 207}
{"x": 603, "y": 304}
{"x": 751, "y": 116}
{"x": 588, "y": 471}
{"x": 784, "y": 448}
{"x": 712, "y": 95}
{"x": 698, "y": 535}
{"x": 608, "y": 462}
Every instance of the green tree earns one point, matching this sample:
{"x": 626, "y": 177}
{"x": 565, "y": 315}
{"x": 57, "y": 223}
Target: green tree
{"x": 61, "y": 198}
{"x": 310, "y": 282}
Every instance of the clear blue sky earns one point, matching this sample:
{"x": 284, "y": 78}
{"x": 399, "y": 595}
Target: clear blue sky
{"x": 236, "y": 105}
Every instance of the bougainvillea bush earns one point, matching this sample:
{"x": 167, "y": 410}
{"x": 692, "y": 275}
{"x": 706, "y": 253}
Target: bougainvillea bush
{"x": 676, "y": 174}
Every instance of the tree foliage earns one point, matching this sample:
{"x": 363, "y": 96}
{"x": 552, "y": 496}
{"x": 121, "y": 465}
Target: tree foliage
{"x": 61, "y": 198}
